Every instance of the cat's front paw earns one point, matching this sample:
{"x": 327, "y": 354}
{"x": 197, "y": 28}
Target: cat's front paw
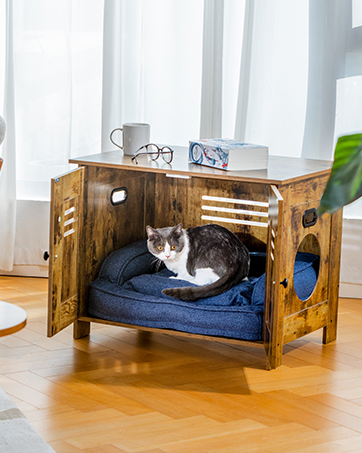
{"x": 175, "y": 277}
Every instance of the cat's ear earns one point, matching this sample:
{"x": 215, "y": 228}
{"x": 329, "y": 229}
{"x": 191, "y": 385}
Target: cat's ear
{"x": 177, "y": 229}
{"x": 151, "y": 232}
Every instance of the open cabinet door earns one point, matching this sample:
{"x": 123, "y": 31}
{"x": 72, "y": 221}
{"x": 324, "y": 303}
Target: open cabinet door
{"x": 66, "y": 217}
{"x": 273, "y": 307}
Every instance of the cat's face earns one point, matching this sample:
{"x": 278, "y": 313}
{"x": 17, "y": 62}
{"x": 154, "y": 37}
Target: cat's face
{"x": 166, "y": 243}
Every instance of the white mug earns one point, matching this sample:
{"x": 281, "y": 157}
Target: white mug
{"x": 135, "y": 135}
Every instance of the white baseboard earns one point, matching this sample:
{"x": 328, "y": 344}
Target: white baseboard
{"x": 350, "y": 290}
{"x": 28, "y": 271}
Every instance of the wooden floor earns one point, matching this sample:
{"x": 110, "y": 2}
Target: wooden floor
{"x": 124, "y": 391}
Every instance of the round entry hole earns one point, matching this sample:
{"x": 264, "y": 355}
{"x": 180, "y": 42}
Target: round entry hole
{"x": 306, "y": 267}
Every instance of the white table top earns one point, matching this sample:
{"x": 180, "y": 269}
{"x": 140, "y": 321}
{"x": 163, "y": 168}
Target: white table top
{"x": 280, "y": 170}
{"x": 12, "y": 318}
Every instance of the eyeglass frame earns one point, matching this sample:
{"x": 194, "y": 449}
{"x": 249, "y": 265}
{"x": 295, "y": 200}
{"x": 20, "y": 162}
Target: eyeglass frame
{"x": 159, "y": 152}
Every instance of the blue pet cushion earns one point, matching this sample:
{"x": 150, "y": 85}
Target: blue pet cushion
{"x": 129, "y": 290}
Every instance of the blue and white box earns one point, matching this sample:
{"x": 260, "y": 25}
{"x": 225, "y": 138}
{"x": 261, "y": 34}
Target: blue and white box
{"x": 228, "y": 154}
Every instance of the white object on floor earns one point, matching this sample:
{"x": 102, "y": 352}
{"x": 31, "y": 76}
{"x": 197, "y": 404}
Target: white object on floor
{"x": 16, "y": 433}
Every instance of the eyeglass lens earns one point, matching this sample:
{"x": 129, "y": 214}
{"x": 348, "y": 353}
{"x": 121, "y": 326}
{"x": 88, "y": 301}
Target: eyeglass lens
{"x": 155, "y": 151}
{"x": 167, "y": 154}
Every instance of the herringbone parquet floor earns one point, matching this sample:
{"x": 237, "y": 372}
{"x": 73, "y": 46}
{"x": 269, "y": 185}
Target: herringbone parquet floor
{"x": 124, "y": 391}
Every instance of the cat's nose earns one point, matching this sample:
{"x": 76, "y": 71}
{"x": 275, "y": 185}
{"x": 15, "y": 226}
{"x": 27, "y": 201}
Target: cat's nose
{"x": 167, "y": 256}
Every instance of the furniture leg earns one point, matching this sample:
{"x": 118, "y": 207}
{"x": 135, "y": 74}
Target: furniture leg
{"x": 330, "y": 331}
{"x": 81, "y": 329}
{"x": 275, "y": 356}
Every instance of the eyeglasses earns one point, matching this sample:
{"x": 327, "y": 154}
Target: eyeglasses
{"x": 153, "y": 150}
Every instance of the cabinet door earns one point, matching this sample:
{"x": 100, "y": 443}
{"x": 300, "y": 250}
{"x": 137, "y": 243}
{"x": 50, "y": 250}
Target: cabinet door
{"x": 66, "y": 219}
{"x": 273, "y": 308}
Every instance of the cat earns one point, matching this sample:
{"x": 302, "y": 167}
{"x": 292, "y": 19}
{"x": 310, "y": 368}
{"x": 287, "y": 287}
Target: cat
{"x": 210, "y": 256}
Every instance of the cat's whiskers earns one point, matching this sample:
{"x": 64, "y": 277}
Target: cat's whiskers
{"x": 156, "y": 262}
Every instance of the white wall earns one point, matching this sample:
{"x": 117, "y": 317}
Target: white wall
{"x": 32, "y": 238}
{"x": 351, "y": 259}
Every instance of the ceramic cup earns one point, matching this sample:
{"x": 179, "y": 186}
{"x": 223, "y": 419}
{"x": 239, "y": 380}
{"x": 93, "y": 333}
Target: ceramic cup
{"x": 135, "y": 135}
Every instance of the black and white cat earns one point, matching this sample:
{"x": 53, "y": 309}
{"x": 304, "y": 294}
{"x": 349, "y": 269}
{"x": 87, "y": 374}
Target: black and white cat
{"x": 209, "y": 256}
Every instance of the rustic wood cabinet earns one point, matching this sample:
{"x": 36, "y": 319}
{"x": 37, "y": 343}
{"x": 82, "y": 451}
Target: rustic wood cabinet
{"x": 106, "y": 203}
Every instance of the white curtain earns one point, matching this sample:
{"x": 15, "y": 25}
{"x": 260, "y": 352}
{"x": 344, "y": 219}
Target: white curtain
{"x": 8, "y": 152}
{"x": 274, "y": 76}
{"x": 212, "y": 69}
{"x": 151, "y": 68}
{"x": 52, "y": 107}
{"x": 300, "y": 78}
{"x": 328, "y": 41}
{"x": 172, "y": 64}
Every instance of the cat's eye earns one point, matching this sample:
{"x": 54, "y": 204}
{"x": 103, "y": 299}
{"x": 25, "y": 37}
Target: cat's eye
{"x": 174, "y": 247}
{"x": 160, "y": 248}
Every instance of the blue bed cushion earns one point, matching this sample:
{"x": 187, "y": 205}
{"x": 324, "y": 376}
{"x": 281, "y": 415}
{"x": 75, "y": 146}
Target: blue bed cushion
{"x": 305, "y": 278}
{"x": 129, "y": 290}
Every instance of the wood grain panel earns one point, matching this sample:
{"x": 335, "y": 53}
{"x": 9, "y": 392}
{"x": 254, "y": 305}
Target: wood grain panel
{"x": 109, "y": 227}
{"x": 71, "y": 236}
{"x": 66, "y": 224}
{"x": 273, "y": 305}
{"x": 254, "y": 238}
{"x": 68, "y": 311}
{"x": 180, "y": 200}
{"x": 166, "y": 199}
{"x": 305, "y": 321}
{"x": 330, "y": 331}
{"x": 307, "y": 191}
{"x": 321, "y": 233}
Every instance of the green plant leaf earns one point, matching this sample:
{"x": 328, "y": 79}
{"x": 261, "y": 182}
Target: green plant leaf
{"x": 345, "y": 181}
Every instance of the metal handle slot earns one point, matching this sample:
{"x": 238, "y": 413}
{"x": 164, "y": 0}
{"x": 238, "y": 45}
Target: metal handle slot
{"x": 310, "y": 218}
{"x": 119, "y": 196}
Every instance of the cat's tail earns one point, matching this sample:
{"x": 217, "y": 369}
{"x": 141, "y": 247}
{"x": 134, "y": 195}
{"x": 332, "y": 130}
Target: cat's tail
{"x": 224, "y": 283}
